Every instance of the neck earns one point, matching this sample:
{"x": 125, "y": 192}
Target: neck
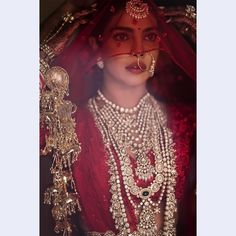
{"x": 126, "y": 97}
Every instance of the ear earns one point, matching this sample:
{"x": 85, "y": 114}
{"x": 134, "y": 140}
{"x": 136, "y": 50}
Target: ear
{"x": 93, "y": 43}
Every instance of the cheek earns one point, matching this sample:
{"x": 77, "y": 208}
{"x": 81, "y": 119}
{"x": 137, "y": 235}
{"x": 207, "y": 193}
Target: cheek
{"x": 111, "y": 49}
{"x": 155, "y": 54}
{"x": 115, "y": 64}
{"x": 151, "y": 55}
{"x": 152, "y": 45}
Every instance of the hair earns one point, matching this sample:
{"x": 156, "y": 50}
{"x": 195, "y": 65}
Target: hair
{"x": 176, "y": 60}
{"x": 116, "y": 8}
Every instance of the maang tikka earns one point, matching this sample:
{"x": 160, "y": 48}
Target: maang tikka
{"x": 137, "y": 9}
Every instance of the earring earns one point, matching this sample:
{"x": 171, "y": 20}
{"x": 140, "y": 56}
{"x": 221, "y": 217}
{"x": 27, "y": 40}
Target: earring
{"x": 152, "y": 66}
{"x": 100, "y": 63}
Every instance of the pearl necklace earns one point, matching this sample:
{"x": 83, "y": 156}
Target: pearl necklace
{"x": 131, "y": 124}
{"x": 123, "y": 109}
{"x": 112, "y": 123}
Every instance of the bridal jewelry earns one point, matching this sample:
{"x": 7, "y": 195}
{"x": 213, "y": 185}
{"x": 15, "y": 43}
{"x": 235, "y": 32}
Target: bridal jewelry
{"x": 190, "y": 12}
{"x": 137, "y": 9}
{"x": 56, "y": 116}
{"x": 138, "y": 62}
{"x": 152, "y": 66}
{"x": 139, "y": 147}
{"x": 100, "y": 63}
{"x": 122, "y": 109}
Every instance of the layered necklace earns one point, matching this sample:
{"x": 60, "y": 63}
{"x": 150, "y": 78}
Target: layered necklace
{"x": 130, "y": 135}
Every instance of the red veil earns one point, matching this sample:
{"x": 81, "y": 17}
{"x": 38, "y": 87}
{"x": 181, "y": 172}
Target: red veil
{"x": 173, "y": 81}
{"x": 175, "y": 70}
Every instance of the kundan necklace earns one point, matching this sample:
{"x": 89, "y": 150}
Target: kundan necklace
{"x": 129, "y": 135}
{"x": 130, "y": 127}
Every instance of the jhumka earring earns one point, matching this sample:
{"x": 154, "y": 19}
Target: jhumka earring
{"x": 152, "y": 66}
{"x": 100, "y": 63}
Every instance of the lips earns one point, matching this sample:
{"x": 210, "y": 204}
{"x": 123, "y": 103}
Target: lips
{"x": 135, "y": 68}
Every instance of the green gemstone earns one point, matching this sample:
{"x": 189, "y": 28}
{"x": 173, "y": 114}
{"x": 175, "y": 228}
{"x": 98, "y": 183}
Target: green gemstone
{"x": 145, "y": 193}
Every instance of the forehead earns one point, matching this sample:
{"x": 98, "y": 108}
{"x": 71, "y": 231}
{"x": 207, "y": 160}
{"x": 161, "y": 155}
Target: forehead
{"x": 122, "y": 19}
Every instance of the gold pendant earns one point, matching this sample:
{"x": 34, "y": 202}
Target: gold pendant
{"x": 147, "y": 225}
{"x": 144, "y": 169}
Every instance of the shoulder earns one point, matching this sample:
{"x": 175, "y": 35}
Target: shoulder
{"x": 86, "y": 128}
{"x": 181, "y": 118}
{"x": 182, "y": 122}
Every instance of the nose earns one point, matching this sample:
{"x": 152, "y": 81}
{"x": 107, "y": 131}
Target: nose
{"x": 137, "y": 47}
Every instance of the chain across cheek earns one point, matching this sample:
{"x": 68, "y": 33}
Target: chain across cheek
{"x": 116, "y": 49}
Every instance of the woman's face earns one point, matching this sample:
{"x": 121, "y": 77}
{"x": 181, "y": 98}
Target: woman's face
{"x": 129, "y": 44}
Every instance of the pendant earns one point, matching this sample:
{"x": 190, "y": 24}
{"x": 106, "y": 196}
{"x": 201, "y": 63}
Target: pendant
{"x": 147, "y": 225}
{"x": 144, "y": 169}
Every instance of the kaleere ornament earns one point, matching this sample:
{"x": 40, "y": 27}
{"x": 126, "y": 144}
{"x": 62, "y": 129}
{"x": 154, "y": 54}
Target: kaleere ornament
{"x": 63, "y": 145}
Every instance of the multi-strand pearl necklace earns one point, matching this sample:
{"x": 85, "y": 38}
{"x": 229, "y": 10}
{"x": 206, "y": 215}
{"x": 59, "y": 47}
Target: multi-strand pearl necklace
{"x": 123, "y": 109}
{"x": 148, "y": 123}
{"x": 131, "y": 124}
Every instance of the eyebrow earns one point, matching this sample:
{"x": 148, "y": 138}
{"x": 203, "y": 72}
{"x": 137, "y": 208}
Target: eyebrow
{"x": 124, "y": 28}
{"x": 150, "y": 29}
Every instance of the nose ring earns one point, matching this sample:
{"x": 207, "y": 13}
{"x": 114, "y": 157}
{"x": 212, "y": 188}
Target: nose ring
{"x": 138, "y": 55}
{"x": 152, "y": 66}
{"x": 138, "y": 63}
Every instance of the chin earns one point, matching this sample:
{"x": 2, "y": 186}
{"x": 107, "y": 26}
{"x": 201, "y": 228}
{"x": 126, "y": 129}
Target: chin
{"x": 124, "y": 78}
{"x": 135, "y": 80}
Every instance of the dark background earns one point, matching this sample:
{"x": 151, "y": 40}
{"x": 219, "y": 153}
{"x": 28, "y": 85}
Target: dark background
{"x": 48, "y": 6}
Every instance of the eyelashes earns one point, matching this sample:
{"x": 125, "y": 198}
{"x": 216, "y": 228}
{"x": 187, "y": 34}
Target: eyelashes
{"x": 152, "y": 36}
{"x": 120, "y": 36}
{"x": 124, "y": 36}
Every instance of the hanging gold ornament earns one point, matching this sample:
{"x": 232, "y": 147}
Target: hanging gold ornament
{"x": 63, "y": 145}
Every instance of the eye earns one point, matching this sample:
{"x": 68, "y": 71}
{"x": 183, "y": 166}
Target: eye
{"x": 120, "y": 36}
{"x": 152, "y": 36}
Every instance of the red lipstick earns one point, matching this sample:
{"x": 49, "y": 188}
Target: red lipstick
{"x": 136, "y": 68}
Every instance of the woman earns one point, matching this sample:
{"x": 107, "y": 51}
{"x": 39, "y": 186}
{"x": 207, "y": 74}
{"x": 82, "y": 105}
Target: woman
{"x": 129, "y": 151}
